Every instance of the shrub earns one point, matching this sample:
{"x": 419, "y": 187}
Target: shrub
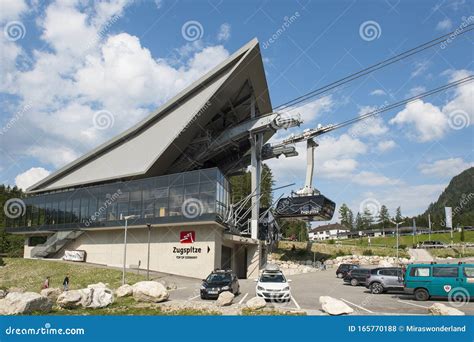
{"x": 402, "y": 246}
{"x": 367, "y": 252}
{"x": 1, "y": 261}
{"x": 331, "y": 242}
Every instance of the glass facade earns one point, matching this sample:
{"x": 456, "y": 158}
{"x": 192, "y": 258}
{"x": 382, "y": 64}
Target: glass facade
{"x": 171, "y": 198}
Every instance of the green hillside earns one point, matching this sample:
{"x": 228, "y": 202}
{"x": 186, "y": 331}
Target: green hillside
{"x": 459, "y": 195}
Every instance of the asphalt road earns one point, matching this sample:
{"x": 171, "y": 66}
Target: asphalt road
{"x": 307, "y": 288}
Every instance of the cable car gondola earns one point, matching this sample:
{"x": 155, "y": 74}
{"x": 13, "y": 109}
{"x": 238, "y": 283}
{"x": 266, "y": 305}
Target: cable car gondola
{"x": 307, "y": 203}
{"x": 308, "y": 208}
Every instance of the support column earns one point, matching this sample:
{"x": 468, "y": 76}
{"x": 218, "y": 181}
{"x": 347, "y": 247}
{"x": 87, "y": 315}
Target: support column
{"x": 256, "y": 142}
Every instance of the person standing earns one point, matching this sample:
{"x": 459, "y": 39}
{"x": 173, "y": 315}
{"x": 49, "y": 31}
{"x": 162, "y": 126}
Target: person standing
{"x": 45, "y": 283}
{"x": 66, "y": 283}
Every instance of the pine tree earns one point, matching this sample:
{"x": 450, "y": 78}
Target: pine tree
{"x": 345, "y": 216}
{"x": 359, "y": 224}
{"x": 384, "y": 217}
{"x": 351, "y": 220}
{"x": 367, "y": 218}
{"x": 398, "y": 215}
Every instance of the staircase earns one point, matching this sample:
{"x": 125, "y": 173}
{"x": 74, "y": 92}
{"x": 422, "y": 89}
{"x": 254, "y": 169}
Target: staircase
{"x": 54, "y": 243}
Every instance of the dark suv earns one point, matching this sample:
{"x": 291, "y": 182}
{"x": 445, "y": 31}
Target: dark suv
{"x": 357, "y": 276}
{"x": 343, "y": 269}
{"x": 384, "y": 279}
{"x": 219, "y": 281}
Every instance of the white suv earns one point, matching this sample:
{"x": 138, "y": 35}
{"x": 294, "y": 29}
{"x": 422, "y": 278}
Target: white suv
{"x": 272, "y": 285}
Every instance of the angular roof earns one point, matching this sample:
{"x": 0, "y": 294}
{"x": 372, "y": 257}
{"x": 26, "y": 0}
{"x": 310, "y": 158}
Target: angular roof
{"x": 173, "y": 138}
{"x": 327, "y": 227}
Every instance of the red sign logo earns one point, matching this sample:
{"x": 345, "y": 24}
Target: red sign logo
{"x": 187, "y": 237}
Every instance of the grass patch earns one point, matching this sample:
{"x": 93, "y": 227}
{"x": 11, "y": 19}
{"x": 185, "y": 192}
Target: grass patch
{"x": 452, "y": 252}
{"x": 288, "y": 250}
{"x": 30, "y": 274}
{"x": 409, "y": 240}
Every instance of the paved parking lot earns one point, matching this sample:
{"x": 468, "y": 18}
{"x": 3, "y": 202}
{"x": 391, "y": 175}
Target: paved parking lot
{"x": 307, "y": 288}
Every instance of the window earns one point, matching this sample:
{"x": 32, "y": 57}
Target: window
{"x": 469, "y": 272}
{"x": 445, "y": 272}
{"x": 388, "y": 272}
{"x": 420, "y": 272}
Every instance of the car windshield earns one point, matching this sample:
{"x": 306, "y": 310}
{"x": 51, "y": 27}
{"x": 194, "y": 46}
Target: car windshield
{"x": 272, "y": 278}
{"x": 218, "y": 278}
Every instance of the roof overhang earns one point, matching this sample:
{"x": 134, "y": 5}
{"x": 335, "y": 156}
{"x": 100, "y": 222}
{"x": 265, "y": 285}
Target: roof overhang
{"x": 157, "y": 144}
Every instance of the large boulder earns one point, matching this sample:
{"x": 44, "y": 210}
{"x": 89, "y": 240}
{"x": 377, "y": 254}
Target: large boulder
{"x": 225, "y": 298}
{"x": 439, "y": 309}
{"x": 101, "y": 297}
{"x": 98, "y": 285}
{"x": 23, "y": 303}
{"x": 75, "y": 298}
{"x": 334, "y": 306}
{"x": 124, "y": 291}
{"x": 150, "y": 291}
{"x": 52, "y": 293}
{"x": 256, "y": 303}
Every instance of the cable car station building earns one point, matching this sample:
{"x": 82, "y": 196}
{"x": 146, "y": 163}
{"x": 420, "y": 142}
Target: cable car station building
{"x": 166, "y": 179}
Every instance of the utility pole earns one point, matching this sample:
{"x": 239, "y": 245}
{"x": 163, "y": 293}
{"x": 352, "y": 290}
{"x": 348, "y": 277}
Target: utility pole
{"x": 429, "y": 227}
{"x": 148, "y": 254}
{"x": 126, "y": 218}
{"x": 398, "y": 238}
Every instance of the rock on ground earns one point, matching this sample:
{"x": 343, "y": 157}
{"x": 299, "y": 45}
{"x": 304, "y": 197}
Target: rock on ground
{"x": 334, "y": 306}
{"x": 225, "y": 298}
{"x": 99, "y": 284}
{"x": 124, "y": 291}
{"x": 75, "y": 298}
{"x": 101, "y": 297}
{"x": 150, "y": 291}
{"x": 3, "y": 293}
{"x": 23, "y": 303}
{"x": 256, "y": 303}
{"x": 52, "y": 293}
{"x": 439, "y": 309}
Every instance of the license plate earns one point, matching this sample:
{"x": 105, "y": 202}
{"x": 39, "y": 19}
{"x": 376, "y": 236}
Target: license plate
{"x": 212, "y": 292}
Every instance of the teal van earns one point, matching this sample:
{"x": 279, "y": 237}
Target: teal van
{"x": 454, "y": 281}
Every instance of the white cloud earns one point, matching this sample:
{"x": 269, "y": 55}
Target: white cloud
{"x": 420, "y": 67}
{"x": 445, "y": 167}
{"x": 372, "y": 126}
{"x": 373, "y": 179}
{"x": 11, "y": 9}
{"x": 26, "y": 179}
{"x": 462, "y": 103}
{"x": 158, "y": 4}
{"x": 416, "y": 90}
{"x": 413, "y": 199}
{"x": 444, "y": 25}
{"x": 224, "y": 32}
{"x": 86, "y": 71}
{"x": 312, "y": 110}
{"x": 378, "y": 92}
{"x": 429, "y": 121}
{"x": 334, "y": 158}
{"x": 57, "y": 156}
{"x": 386, "y": 145}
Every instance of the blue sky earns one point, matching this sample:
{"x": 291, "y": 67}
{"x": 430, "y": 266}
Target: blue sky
{"x": 66, "y": 63}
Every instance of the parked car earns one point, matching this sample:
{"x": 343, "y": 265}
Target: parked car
{"x": 384, "y": 279}
{"x": 454, "y": 281}
{"x": 273, "y": 285}
{"x": 219, "y": 281}
{"x": 343, "y": 269}
{"x": 357, "y": 276}
{"x": 431, "y": 244}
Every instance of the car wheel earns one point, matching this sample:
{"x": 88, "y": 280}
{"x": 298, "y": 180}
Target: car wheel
{"x": 421, "y": 295}
{"x": 376, "y": 288}
{"x": 354, "y": 282}
{"x": 340, "y": 275}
